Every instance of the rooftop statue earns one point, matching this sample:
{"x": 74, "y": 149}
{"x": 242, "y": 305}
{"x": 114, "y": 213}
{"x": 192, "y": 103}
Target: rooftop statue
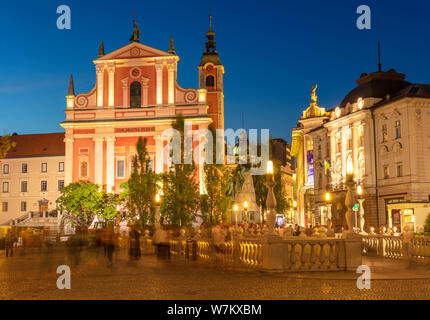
{"x": 314, "y": 97}
{"x": 136, "y": 33}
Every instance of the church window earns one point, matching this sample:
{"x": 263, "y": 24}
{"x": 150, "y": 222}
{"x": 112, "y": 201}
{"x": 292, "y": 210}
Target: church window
{"x": 210, "y": 81}
{"x": 135, "y": 95}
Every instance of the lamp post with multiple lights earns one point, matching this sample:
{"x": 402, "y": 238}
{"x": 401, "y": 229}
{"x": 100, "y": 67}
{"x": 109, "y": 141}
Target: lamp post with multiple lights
{"x": 270, "y": 200}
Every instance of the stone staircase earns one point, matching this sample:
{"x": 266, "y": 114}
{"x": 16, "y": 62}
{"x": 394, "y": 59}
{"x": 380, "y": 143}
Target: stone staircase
{"x": 32, "y": 219}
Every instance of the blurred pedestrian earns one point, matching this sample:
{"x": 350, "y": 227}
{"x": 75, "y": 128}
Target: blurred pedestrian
{"x": 9, "y": 243}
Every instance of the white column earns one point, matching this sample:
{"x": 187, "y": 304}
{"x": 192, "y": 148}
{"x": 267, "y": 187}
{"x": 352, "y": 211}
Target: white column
{"x": 98, "y": 161}
{"x": 159, "y": 69}
{"x": 125, "y": 93}
{"x": 159, "y": 168}
{"x": 68, "y": 166}
{"x": 145, "y": 87}
{"x": 344, "y": 136}
{"x": 170, "y": 81}
{"x": 99, "y": 71}
{"x": 354, "y": 132}
{"x": 111, "y": 71}
{"x": 110, "y": 164}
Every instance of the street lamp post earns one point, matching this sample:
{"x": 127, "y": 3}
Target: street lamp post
{"x": 235, "y": 210}
{"x": 245, "y": 218}
{"x": 361, "y": 212}
{"x": 349, "y": 198}
{"x": 157, "y": 210}
{"x": 270, "y": 200}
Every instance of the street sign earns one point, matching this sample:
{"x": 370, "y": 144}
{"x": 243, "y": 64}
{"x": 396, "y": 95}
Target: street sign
{"x": 356, "y": 206}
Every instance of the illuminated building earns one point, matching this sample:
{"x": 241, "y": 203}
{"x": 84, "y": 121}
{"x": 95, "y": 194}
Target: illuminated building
{"x": 382, "y": 127}
{"x": 31, "y": 177}
{"x": 136, "y": 95}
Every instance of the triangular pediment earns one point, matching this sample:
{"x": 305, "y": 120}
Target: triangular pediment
{"x": 135, "y": 50}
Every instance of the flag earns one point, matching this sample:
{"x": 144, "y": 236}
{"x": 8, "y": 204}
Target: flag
{"x": 326, "y": 166}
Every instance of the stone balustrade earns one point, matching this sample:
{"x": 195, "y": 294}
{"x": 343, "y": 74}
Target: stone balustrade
{"x": 296, "y": 254}
{"x": 312, "y": 254}
{"x": 407, "y": 247}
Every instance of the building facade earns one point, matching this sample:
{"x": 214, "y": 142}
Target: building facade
{"x": 136, "y": 95}
{"x": 381, "y": 130}
{"x": 31, "y": 176}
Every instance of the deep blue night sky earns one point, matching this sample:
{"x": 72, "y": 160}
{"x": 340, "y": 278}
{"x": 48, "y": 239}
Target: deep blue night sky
{"x": 273, "y": 52}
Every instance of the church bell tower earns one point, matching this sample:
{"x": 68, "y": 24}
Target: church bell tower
{"x": 211, "y": 78}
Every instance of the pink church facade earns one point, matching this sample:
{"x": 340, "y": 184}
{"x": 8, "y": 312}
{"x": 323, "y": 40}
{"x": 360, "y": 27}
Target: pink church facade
{"x": 136, "y": 95}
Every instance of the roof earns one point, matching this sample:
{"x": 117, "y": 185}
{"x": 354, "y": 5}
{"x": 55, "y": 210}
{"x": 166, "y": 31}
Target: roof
{"x": 37, "y": 145}
{"x": 376, "y": 85}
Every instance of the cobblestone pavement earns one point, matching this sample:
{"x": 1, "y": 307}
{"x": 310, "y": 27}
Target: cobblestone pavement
{"x": 33, "y": 276}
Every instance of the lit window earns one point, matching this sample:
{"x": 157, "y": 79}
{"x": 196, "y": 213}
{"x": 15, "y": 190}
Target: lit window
{"x": 4, "y": 206}
{"x": 24, "y": 185}
{"x": 5, "y": 187}
{"x": 398, "y": 131}
{"x": 24, "y": 168}
{"x": 23, "y": 206}
{"x": 60, "y": 166}
{"x": 43, "y": 185}
{"x": 44, "y": 167}
{"x": 120, "y": 168}
{"x": 6, "y": 169}
{"x": 60, "y": 185}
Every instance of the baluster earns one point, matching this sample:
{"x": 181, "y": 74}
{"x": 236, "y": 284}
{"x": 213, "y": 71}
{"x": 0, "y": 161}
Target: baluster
{"x": 303, "y": 255}
{"x": 293, "y": 255}
{"x": 387, "y": 247}
{"x": 322, "y": 255}
{"x": 313, "y": 257}
{"x": 332, "y": 255}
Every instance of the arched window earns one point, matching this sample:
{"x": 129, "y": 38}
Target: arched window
{"x": 210, "y": 81}
{"x": 135, "y": 95}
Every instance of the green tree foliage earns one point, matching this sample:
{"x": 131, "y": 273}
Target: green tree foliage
{"x": 141, "y": 188}
{"x": 427, "y": 224}
{"x": 6, "y": 144}
{"x": 82, "y": 201}
{"x": 180, "y": 187}
{"x": 214, "y": 204}
{"x": 282, "y": 204}
{"x": 260, "y": 188}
